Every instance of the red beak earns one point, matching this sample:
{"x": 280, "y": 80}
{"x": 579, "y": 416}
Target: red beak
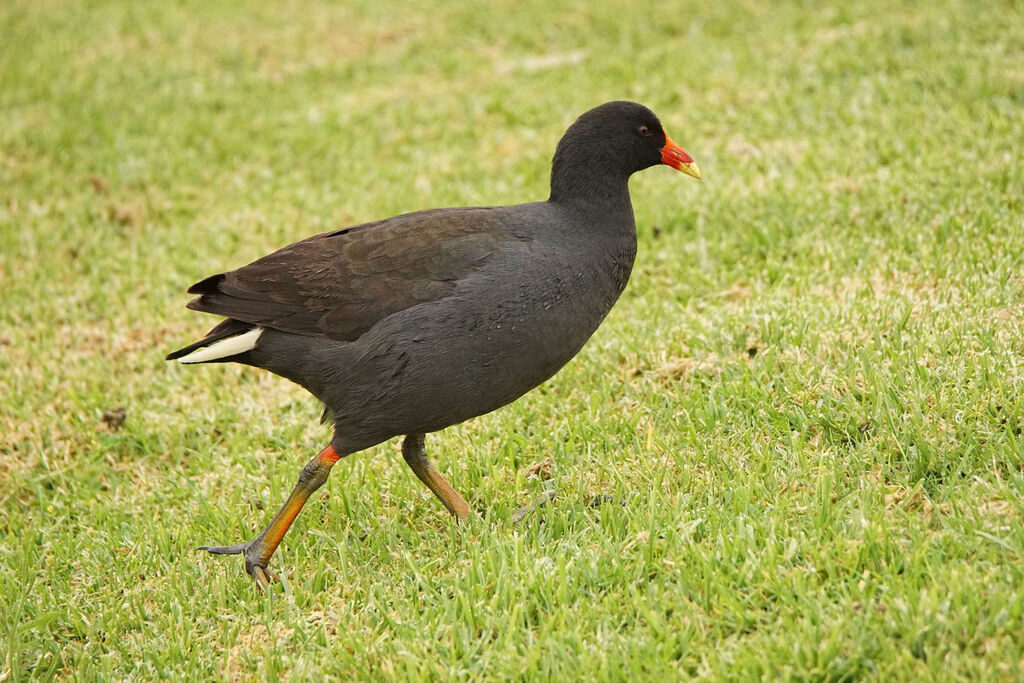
{"x": 674, "y": 156}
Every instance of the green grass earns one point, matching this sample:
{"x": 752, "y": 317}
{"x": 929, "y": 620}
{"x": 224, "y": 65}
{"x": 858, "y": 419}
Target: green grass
{"x": 810, "y": 396}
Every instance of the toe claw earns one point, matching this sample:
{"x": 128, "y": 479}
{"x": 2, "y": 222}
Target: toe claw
{"x": 262, "y": 576}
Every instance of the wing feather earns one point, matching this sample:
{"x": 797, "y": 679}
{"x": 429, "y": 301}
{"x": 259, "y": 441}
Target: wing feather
{"x": 341, "y": 283}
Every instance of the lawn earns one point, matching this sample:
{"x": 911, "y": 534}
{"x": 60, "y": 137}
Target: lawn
{"x": 807, "y": 405}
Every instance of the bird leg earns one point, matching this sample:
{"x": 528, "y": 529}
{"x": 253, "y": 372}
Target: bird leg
{"x": 258, "y": 551}
{"x": 416, "y": 456}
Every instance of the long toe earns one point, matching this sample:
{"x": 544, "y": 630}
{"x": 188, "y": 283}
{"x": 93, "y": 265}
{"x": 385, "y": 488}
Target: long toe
{"x": 253, "y": 561}
{"x": 225, "y": 549}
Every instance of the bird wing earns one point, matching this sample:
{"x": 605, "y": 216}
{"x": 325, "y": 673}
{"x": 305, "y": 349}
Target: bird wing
{"x": 340, "y": 284}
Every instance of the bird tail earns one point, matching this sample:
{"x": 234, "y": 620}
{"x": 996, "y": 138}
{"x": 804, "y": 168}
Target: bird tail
{"x": 228, "y": 339}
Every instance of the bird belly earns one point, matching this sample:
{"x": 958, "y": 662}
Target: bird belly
{"x": 450, "y": 361}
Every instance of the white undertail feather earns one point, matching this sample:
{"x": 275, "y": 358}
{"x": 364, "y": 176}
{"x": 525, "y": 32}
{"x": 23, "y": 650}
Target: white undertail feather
{"x": 225, "y": 347}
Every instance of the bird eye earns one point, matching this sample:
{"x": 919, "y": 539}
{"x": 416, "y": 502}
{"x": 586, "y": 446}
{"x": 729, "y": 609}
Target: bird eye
{"x": 643, "y": 131}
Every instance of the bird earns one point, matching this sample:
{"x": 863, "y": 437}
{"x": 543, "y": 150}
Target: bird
{"x": 405, "y": 326}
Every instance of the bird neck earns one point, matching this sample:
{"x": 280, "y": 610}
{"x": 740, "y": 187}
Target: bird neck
{"x": 585, "y": 174}
{"x": 600, "y": 194}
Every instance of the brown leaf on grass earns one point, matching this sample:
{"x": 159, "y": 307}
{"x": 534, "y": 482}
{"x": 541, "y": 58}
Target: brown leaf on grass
{"x": 114, "y": 418}
{"x": 99, "y": 184}
{"x": 541, "y": 469}
{"x": 124, "y": 214}
{"x": 641, "y": 538}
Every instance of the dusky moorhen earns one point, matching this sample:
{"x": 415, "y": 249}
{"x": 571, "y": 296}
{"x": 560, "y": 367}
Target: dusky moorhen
{"x": 411, "y": 324}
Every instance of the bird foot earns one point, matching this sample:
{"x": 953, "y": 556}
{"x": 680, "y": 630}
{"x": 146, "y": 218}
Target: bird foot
{"x": 250, "y": 551}
{"x": 520, "y": 514}
{"x": 602, "y": 498}
{"x": 548, "y": 496}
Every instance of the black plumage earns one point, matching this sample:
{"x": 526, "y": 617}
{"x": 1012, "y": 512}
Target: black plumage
{"x": 411, "y": 324}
